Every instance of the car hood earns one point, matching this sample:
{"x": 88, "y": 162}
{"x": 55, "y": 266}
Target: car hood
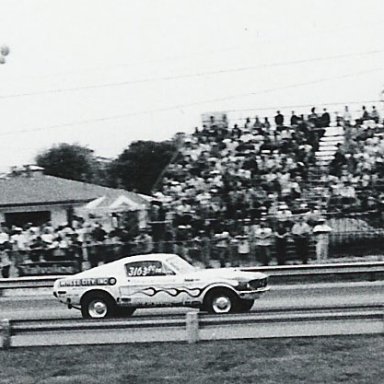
{"x": 226, "y": 273}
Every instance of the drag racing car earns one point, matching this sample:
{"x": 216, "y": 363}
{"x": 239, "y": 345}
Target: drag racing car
{"x": 158, "y": 280}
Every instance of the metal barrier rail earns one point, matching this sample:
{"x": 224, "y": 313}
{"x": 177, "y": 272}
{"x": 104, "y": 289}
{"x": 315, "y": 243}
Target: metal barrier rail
{"x": 167, "y": 317}
{"x": 28, "y": 282}
{"x": 314, "y": 273}
{"x": 370, "y": 271}
{"x": 194, "y": 327}
{"x": 320, "y": 267}
{"x": 172, "y": 316}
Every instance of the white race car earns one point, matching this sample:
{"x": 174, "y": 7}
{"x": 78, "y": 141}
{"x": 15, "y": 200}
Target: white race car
{"x": 156, "y": 280}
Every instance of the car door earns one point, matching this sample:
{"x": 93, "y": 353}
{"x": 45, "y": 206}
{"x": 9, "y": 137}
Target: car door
{"x": 151, "y": 283}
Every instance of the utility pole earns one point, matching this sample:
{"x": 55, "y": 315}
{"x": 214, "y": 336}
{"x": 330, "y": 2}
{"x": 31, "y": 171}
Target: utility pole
{"x": 4, "y": 51}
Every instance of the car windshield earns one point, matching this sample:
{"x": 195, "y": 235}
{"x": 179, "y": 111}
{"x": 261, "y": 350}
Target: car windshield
{"x": 179, "y": 265}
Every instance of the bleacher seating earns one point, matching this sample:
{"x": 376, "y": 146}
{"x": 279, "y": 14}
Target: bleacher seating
{"x": 226, "y": 175}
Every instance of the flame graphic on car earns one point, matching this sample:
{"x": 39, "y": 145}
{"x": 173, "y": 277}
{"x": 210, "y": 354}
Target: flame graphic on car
{"x": 152, "y": 291}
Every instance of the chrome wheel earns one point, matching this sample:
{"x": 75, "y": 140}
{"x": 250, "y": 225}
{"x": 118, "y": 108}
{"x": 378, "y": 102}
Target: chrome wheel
{"x": 221, "y": 304}
{"x": 97, "y": 309}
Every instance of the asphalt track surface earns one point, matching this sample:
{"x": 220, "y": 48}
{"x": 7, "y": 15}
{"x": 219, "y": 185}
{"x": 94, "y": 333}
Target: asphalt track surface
{"x": 279, "y": 297}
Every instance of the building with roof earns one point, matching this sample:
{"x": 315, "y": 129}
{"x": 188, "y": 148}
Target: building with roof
{"x": 29, "y": 196}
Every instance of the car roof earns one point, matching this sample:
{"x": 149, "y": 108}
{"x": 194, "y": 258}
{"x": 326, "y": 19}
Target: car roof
{"x": 149, "y": 256}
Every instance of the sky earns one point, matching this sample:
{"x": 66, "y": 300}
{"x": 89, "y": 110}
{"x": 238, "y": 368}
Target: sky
{"x": 103, "y": 73}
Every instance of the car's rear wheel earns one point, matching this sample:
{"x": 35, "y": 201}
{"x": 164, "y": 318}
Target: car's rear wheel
{"x": 221, "y": 301}
{"x": 245, "y": 305}
{"x": 97, "y": 307}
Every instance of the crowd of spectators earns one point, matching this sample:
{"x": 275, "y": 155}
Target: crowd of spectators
{"x": 236, "y": 194}
{"x": 78, "y": 241}
{"x": 356, "y": 172}
{"x": 240, "y": 172}
{"x": 225, "y": 177}
{"x": 255, "y": 169}
{"x": 243, "y": 243}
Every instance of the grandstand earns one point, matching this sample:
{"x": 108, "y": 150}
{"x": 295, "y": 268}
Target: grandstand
{"x": 228, "y": 174}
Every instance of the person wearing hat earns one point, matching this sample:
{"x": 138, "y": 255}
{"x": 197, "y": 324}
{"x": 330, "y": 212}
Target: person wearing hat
{"x": 321, "y": 232}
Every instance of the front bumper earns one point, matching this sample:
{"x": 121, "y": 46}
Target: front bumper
{"x": 252, "y": 295}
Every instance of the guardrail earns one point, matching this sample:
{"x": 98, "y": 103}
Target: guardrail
{"x": 293, "y": 274}
{"x": 195, "y": 327}
{"x": 313, "y": 273}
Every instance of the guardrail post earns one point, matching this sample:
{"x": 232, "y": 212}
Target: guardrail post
{"x": 383, "y": 316}
{"x": 5, "y": 334}
{"x": 192, "y": 327}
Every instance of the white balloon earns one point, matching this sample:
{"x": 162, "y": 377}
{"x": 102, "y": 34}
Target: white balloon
{"x": 4, "y": 50}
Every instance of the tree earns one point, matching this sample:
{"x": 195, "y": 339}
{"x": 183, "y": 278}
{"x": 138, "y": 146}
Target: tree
{"x": 69, "y": 161}
{"x": 139, "y": 166}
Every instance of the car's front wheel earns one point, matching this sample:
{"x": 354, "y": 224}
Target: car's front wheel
{"x": 221, "y": 301}
{"x": 97, "y": 307}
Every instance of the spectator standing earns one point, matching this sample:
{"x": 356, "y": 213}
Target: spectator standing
{"x": 347, "y": 117}
{"x": 312, "y": 117}
{"x": 301, "y": 232}
{"x": 257, "y": 123}
{"x": 99, "y": 233}
{"x": 248, "y": 124}
{"x": 195, "y": 249}
{"x": 183, "y": 240}
{"x": 169, "y": 241}
{"x": 37, "y": 249}
{"x": 365, "y": 115}
{"x": 321, "y": 232}
{"x": 205, "y": 248}
{"x": 222, "y": 238}
{"x": 338, "y": 161}
{"x": 266, "y": 124}
{"x": 325, "y": 118}
{"x": 5, "y": 262}
{"x": 279, "y": 119}
{"x": 243, "y": 247}
{"x": 96, "y": 252}
{"x": 294, "y": 119}
{"x": 144, "y": 243}
{"x": 4, "y": 237}
{"x": 19, "y": 245}
{"x": 375, "y": 115}
{"x": 263, "y": 237}
{"x": 281, "y": 239}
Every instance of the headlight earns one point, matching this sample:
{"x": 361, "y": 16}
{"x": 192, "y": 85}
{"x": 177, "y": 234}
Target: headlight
{"x": 243, "y": 286}
{"x": 258, "y": 283}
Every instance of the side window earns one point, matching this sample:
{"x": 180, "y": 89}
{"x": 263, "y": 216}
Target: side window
{"x": 145, "y": 268}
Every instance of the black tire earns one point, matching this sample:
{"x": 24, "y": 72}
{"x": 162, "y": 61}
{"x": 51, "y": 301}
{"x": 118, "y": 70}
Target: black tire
{"x": 221, "y": 301}
{"x": 245, "y": 305}
{"x": 97, "y": 306}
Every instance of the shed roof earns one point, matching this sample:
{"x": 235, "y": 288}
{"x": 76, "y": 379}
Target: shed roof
{"x": 43, "y": 189}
